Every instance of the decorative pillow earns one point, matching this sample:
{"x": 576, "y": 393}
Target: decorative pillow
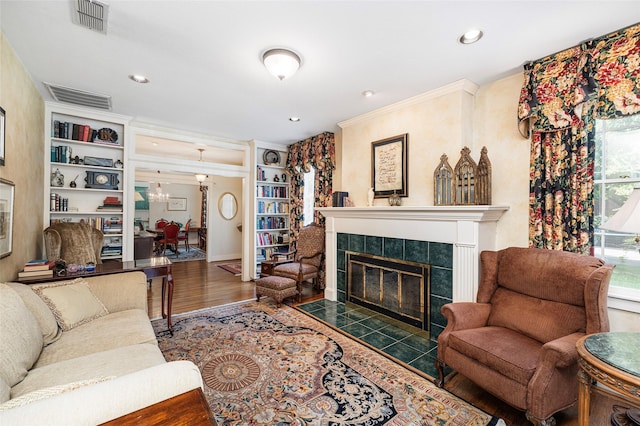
{"x": 21, "y": 337}
{"x": 49, "y": 392}
{"x": 71, "y": 302}
{"x": 50, "y": 330}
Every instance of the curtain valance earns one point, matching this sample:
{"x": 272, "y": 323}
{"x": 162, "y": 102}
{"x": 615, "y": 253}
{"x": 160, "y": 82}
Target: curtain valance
{"x": 556, "y": 87}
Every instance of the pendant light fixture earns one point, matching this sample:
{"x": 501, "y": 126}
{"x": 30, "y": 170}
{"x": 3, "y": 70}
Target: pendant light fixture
{"x": 158, "y": 196}
{"x": 199, "y": 176}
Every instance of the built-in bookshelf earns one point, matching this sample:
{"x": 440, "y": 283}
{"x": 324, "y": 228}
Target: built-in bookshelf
{"x": 271, "y": 204}
{"x": 84, "y": 172}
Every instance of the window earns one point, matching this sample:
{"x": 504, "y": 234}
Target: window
{"x": 309, "y": 196}
{"x": 617, "y": 172}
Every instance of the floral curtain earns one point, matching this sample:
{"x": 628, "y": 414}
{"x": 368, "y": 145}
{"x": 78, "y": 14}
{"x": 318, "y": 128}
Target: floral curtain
{"x": 317, "y": 152}
{"x": 559, "y": 101}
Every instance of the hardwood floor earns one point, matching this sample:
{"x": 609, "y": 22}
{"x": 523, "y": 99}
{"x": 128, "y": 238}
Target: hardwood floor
{"x": 199, "y": 285}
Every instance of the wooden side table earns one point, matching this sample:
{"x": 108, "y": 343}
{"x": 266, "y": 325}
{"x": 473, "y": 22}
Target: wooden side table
{"x": 610, "y": 359}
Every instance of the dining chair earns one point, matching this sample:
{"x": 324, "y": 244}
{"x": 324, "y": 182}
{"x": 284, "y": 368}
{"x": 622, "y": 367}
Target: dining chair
{"x": 184, "y": 235}
{"x": 170, "y": 237}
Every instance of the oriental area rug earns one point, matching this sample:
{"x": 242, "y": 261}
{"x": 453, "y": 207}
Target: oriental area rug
{"x": 267, "y": 366}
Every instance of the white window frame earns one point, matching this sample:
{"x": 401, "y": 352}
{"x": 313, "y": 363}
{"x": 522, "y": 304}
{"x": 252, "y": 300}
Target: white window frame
{"x": 619, "y": 297}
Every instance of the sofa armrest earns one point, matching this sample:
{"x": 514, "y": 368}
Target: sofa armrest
{"x": 109, "y": 399}
{"x": 120, "y": 292}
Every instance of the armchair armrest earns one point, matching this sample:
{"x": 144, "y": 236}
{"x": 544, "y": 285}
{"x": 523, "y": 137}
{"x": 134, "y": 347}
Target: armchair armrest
{"x": 465, "y": 315}
{"x": 110, "y": 399}
{"x": 560, "y": 353}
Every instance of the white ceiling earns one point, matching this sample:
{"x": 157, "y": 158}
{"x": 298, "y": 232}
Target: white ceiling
{"x": 203, "y": 57}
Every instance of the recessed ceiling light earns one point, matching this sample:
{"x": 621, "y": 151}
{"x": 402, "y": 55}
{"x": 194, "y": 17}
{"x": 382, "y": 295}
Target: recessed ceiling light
{"x": 294, "y": 119}
{"x": 471, "y": 36}
{"x": 368, "y": 93}
{"x": 139, "y": 78}
{"x": 154, "y": 143}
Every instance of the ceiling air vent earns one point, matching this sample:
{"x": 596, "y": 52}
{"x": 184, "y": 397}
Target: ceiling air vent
{"x": 90, "y": 14}
{"x": 79, "y": 97}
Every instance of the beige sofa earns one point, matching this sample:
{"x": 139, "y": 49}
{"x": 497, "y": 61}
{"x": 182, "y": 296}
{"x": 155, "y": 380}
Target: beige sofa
{"x": 82, "y": 352}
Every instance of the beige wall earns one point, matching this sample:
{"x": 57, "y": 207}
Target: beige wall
{"x": 23, "y": 159}
{"x": 444, "y": 124}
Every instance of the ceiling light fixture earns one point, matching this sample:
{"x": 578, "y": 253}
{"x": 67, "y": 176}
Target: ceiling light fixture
{"x": 200, "y": 177}
{"x": 368, "y": 93}
{"x": 471, "y": 36}
{"x": 294, "y": 119}
{"x": 282, "y": 63}
{"x": 139, "y": 78}
{"x": 158, "y": 196}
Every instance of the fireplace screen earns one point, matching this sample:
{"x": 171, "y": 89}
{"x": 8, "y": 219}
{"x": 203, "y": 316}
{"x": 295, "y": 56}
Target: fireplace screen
{"x": 393, "y": 287}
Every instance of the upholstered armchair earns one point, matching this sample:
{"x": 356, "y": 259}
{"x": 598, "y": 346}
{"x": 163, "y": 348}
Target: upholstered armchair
{"x": 518, "y": 341}
{"x": 73, "y": 242}
{"x": 307, "y": 259}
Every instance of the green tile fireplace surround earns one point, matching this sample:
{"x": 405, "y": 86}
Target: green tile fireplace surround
{"x": 438, "y": 255}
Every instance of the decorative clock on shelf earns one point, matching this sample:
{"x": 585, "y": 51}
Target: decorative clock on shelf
{"x": 101, "y": 180}
{"x": 271, "y": 157}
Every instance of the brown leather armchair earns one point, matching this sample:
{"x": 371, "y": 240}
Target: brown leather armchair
{"x": 518, "y": 342}
{"x": 74, "y": 242}
{"x": 308, "y": 256}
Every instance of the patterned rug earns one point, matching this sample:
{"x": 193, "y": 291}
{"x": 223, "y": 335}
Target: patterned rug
{"x": 268, "y": 366}
{"x": 234, "y": 268}
{"x": 184, "y": 255}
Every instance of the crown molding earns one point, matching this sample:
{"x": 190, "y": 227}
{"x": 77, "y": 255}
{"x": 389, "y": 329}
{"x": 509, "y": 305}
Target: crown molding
{"x": 463, "y": 85}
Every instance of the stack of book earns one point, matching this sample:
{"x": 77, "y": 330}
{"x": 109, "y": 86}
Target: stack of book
{"x": 110, "y": 204}
{"x": 37, "y": 268}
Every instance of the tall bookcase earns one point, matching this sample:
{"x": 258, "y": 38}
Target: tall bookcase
{"x": 271, "y": 204}
{"x": 84, "y": 172}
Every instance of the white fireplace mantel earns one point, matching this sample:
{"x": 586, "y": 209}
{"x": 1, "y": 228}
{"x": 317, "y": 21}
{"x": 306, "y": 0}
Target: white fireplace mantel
{"x": 470, "y": 229}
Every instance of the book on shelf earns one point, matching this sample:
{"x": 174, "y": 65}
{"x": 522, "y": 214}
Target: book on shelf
{"x": 35, "y": 274}
{"x": 40, "y": 266}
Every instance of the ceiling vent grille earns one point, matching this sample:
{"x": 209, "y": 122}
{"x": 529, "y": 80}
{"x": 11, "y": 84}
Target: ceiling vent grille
{"x": 91, "y": 14}
{"x": 79, "y": 97}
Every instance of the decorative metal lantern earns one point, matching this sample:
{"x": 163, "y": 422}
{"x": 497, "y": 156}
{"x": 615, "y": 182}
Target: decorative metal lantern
{"x": 443, "y": 180}
{"x": 465, "y": 174}
{"x": 483, "y": 189}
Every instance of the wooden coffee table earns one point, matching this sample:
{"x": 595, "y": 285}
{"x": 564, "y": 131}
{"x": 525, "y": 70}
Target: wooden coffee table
{"x": 188, "y": 409}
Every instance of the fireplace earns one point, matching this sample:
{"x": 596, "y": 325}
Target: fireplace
{"x": 396, "y": 288}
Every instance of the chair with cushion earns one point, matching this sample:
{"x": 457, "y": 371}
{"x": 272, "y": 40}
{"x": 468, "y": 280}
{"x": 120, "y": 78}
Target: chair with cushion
{"x": 74, "y": 242}
{"x": 518, "y": 341}
{"x": 184, "y": 235}
{"x": 170, "y": 237}
{"x": 307, "y": 259}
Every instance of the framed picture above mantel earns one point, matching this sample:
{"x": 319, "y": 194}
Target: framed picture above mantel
{"x": 389, "y": 166}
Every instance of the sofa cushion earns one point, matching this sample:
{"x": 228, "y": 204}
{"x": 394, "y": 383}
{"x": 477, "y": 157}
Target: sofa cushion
{"x": 111, "y": 331}
{"x": 540, "y": 319}
{"x": 21, "y": 337}
{"x": 115, "y": 362}
{"x": 50, "y": 330}
{"x": 506, "y": 351}
{"x": 71, "y": 302}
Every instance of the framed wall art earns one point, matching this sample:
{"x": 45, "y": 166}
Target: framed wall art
{"x": 177, "y": 204}
{"x": 389, "y": 166}
{"x": 7, "y": 194}
{"x": 2, "y": 132}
